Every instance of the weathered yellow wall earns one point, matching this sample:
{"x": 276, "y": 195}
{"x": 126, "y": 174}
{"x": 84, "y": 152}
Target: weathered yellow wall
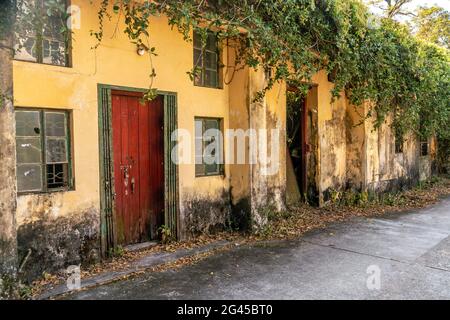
{"x": 239, "y": 119}
{"x": 268, "y": 181}
{"x": 355, "y": 139}
{"x": 360, "y": 156}
{"x": 115, "y": 62}
{"x": 332, "y": 136}
{"x": 386, "y": 169}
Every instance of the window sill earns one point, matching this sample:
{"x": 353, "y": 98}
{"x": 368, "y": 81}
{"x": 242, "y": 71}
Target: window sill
{"x": 44, "y": 64}
{"x": 208, "y": 87}
{"x": 221, "y": 175}
{"x": 42, "y": 193}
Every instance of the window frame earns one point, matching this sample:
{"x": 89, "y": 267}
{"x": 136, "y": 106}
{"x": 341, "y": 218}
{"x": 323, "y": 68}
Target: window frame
{"x": 221, "y": 166}
{"x": 219, "y": 68}
{"x": 70, "y": 186}
{"x": 68, "y": 54}
{"x": 399, "y": 142}
{"x": 424, "y": 142}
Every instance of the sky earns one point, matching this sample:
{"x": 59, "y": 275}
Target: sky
{"x": 424, "y": 3}
{"x": 442, "y": 3}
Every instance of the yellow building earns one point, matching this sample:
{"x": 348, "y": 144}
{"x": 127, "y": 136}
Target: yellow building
{"x": 95, "y": 163}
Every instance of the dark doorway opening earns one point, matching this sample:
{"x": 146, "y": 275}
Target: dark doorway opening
{"x": 302, "y": 145}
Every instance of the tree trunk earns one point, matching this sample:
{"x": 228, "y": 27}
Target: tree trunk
{"x": 8, "y": 193}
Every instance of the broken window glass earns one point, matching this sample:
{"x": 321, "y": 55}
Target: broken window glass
{"x": 56, "y": 150}
{"x": 28, "y": 150}
{"x": 42, "y": 35}
{"x": 29, "y": 177}
{"x": 28, "y": 124}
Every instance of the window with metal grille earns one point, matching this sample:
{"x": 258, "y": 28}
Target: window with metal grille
{"x": 206, "y": 61}
{"x": 42, "y": 35}
{"x": 43, "y": 150}
{"x": 208, "y": 147}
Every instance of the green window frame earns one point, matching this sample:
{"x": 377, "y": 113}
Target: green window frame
{"x": 207, "y": 65}
{"x": 208, "y": 165}
{"x": 42, "y": 35}
{"x": 43, "y": 150}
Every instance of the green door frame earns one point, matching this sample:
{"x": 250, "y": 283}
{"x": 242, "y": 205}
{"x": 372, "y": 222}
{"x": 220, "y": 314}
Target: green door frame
{"x": 107, "y": 203}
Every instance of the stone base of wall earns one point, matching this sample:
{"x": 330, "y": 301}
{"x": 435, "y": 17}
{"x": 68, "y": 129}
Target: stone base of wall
{"x": 51, "y": 245}
{"x": 241, "y": 215}
{"x": 205, "y": 215}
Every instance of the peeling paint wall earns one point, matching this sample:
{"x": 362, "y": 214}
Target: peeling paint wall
{"x": 355, "y": 140}
{"x": 8, "y": 239}
{"x": 353, "y": 154}
{"x": 267, "y": 187}
{"x": 386, "y": 169}
{"x": 332, "y": 138}
{"x": 239, "y": 113}
{"x": 424, "y": 168}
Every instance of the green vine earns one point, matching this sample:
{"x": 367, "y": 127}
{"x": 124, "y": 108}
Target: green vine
{"x": 370, "y": 59}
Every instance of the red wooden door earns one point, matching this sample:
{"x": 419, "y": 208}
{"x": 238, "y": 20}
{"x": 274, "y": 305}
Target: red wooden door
{"x": 138, "y": 149}
{"x": 304, "y": 146}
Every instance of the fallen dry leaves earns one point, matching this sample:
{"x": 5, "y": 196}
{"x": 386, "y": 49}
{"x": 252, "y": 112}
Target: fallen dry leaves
{"x": 303, "y": 218}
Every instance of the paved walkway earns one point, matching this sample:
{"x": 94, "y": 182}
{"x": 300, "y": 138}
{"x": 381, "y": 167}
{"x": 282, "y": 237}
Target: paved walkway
{"x": 409, "y": 251}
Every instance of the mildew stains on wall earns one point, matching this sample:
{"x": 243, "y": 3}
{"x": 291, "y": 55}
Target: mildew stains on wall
{"x": 332, "y": 136}
{"x": 268, "y": 180}
{"x": 354, "y": 154}
{"x": 51, "y": 238}
{"x": 8, "y": 246}
{"x": 386, "y": 169}
{"x": 206, "y": 214}
{"x": 425, "y": 164}
{"x": 355, "y": 147}
{"x": 239, "y": 112}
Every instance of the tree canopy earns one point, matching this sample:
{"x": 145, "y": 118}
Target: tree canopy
{"x": 370, "y": 58}
{"x": 433, "y": 25}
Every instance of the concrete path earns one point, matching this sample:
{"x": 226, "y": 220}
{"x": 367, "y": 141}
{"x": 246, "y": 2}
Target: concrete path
{"x": 410, "y": 253}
